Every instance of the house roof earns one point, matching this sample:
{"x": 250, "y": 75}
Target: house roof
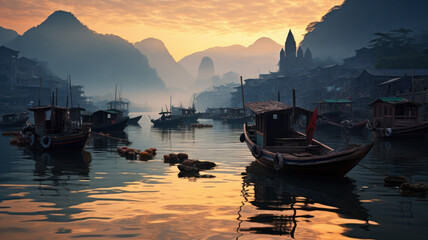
{"x": 272, "y": 106}
{"x": 390, "y": 81}
{"x": 335, "y": 101}
{"x": 393, "y": 100}
{"x": 398, "y": 72}
{"x": 266, "y": 106}
{"x": 46, "y": 108}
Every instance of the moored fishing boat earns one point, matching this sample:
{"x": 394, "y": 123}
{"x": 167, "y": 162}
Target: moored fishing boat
{"x": 167, "y": 120}
{"x": 56, "y": 133}
{"x": 108, "y": 120}
{"x": 275, "y": 144}
{"x": 396, "y": 117}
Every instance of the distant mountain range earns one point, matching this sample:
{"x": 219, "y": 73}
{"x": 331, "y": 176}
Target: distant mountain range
{"x": 172, "y": 73}
{"x": 260, "y": 57}
{"x": 94, "y": 60}
{"x": 7, "y": 35}
{"x": 351, "y": 25}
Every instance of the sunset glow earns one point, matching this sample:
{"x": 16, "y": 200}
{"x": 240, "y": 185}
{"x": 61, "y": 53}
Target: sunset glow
{"x": 185, "y": 26}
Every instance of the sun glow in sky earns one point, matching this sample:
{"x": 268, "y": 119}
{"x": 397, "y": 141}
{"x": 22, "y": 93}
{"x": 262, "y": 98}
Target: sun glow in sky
{"x": 185, "y": 26}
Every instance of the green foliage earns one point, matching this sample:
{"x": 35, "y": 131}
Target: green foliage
{"x": 395, "y": 49}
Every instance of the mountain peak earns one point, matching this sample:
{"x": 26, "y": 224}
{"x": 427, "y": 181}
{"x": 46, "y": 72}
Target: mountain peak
{"x": 263, "y": 41}
{"x": 62, "y": 18}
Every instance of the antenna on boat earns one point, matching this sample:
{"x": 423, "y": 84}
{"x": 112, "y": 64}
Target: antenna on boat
{"x": 71, "y": 91}
{"x": 56, "y": 97}
{"x": 115, "y": 92}
{"x": 170, "y": 104}
{"x": 279, "y": 97}
{"x": 294, "y": 106}
{"x": 243, "y": 102}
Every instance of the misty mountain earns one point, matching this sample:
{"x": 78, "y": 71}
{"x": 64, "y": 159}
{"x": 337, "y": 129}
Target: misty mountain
{"x": 7, "y": 35}
{"x": 351, "y": 25}
{"x": 94, "y": 60}
{"x": 260, "y": 57}
{"x": 172, "y": 73}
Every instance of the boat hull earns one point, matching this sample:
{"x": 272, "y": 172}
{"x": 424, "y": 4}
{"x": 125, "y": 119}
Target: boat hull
{"x": 134, "y": 120}
{"x": 118, "y": 126}
{"x": 171, "y": 123}
{"x": 420, "y": 130}
{"x": 334, "y": 164}
{"x": 71, "y": 142}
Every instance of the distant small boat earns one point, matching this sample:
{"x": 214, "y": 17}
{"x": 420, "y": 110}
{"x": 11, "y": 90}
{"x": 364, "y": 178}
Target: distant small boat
{"x": 14, "y": 120}
{"x": 275, "y": 144}
{"x": 167, "y": 120}
{"x": 134, "y": 120}
{"x": 396, "y": 117}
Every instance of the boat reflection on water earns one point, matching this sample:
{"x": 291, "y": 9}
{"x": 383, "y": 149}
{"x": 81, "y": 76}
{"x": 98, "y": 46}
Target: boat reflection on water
{"x": 284, "y": 201}
{"x": 59, "y": 163}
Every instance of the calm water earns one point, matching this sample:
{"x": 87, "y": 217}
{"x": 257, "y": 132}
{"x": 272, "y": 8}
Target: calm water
{"x": 100, "y": 195}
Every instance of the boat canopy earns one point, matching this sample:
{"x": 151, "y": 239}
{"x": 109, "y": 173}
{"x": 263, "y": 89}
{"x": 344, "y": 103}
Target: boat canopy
{"x": 270, "y": 106}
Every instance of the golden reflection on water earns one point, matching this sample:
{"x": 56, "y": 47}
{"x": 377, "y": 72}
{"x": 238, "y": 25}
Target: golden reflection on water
{"x": 183, "y": 209}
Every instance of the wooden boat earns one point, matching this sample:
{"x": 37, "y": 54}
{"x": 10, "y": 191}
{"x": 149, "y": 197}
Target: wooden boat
{"x": 134, "y": 120}
{"x": 275, "y": 144}
{"x": 58, "y": 132}
{"x": 14, "y": 120}
{"x": 396, "y": 117}
{"x": 167, "y": 120}
{"x": 188, "y": 114}
{"x": 108, "y": 120}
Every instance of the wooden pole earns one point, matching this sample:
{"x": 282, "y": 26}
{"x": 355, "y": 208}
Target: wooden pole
{"x": 243, "y": 101}
{"x": 279, "y": 97}
{"x": 40, "y": 90}
{"x": 413, "y": 93}
{"x": 294, "y": 106}
{"x": 56, "y": 97}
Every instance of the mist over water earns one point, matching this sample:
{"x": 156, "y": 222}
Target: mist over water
{"x": 99, "y": 194}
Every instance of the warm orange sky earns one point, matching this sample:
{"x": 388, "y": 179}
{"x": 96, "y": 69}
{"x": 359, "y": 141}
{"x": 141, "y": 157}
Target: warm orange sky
{"x": 185, "y": 26}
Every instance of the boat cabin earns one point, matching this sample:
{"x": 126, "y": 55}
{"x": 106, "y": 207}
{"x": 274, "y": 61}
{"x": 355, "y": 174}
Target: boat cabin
{"x": 235, "y": 112}
{"x": 76, "y": 116}
{"x": 273, "y": 123}
{"x": 335, "y": 107}
{"x": 103, "y": 117}
{"x": 119, "y": 105}
{"x": 183, "y": 111}
{"x": 389, "y": 112}
{"x": 56, "y": 123}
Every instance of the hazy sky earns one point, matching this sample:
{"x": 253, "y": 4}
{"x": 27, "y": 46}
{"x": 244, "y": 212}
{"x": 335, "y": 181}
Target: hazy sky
{"x": 185, "y": 26}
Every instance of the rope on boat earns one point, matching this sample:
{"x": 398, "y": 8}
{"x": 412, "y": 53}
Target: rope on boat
{"x": 107, "y": 136}
{"x": 374, "y": 170}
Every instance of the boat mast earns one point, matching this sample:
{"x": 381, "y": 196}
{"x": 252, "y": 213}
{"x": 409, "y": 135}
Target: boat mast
{"x": 413, "y": 93}
{"x": 40, "y": 90}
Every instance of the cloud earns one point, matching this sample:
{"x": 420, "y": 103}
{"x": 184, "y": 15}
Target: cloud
{"x": 138, "y": 19}
{"x": 191, "y": 16}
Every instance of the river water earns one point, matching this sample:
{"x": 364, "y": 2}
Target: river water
{"x": 98, "y": 194}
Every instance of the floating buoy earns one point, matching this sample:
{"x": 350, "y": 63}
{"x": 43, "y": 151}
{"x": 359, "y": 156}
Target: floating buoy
{"x": 166, "y": 159}
{"x": 414, "y": 189}
{"x": 182, "y": 156}
{"x": 395, "y": 180}
{"x": 144, "y": 156}
{"x": 174, "y": 156}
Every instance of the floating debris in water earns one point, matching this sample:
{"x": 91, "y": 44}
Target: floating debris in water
{"x": 417, "y": 189}
{"x": 134, "y": 154}
{"x": 394, "y": 180}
